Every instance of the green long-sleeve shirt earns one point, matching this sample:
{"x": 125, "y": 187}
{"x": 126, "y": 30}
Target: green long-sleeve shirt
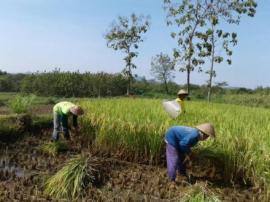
{"x": 63, "y": 109}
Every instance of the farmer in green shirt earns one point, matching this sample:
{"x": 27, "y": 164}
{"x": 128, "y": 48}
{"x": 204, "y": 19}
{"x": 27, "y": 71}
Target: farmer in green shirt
{"x": 61, "y": 111}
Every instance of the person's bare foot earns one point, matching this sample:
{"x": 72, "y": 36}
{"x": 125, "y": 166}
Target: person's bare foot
{"x": 172, "y": 185}
{"x": 182, "y": 179}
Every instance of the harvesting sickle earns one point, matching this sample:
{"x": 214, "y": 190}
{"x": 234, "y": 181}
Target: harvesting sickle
{"x": 179, "y": 140}
{"x": 61, "y": 112}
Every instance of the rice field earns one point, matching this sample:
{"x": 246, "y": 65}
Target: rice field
{"x": 136, "y": 127}
{"x": 119, "y": 154}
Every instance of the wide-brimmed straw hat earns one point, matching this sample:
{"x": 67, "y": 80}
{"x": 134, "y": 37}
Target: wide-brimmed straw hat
{"x": 182, "y": 92}
{"x": 207, "y": 128}
{"x": 76, "y": 110}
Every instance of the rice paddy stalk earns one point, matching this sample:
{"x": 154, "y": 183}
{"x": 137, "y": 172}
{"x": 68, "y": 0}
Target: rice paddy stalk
{"x": 69, "y": 182}
{"x": 200, "y": 194}
{"x": 136, "y": 127}
{"x": 54, "y": 148}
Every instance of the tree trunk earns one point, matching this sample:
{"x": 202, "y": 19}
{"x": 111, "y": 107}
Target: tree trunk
{"x": 128, "y": 87}
{"x": 211, "y": 68}
{"x": 188, "y": 75}
{"x": 188, "y": 81}
{"x": 129, "y": 81}
{"x": 99, "y": 92}
{"x": 190, "y": 55}
{"x": 166, "y": 86}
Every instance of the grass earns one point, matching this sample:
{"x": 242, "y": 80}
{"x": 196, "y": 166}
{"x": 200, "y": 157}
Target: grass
{"x": 78, "y": 174}
{"x": 5, "y": 97}
{"x": 136, "y": 128}
{"x": 252, "y": 100}
{"x": 22, "y": 104}
{"x": 54, "y": 148}
{"x": 13, "y": 126}
{"x": 200, "y": 194}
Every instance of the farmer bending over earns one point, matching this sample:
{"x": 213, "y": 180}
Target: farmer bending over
{"x": 182, "y": 94}
{"x": 61, "y": 111}
{"x": 179, "y": 140}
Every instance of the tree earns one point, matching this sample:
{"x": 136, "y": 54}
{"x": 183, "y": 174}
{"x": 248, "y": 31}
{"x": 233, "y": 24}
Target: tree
{"x": 198, "y": 20}
{"x": 162, "y": 67}
{"x": 2, "y": 72}
{"x": 125, "y": 35}
{"x": 209, "y": 47}
{"x": 218, "y": 11}
{"x": 188, "y": 16}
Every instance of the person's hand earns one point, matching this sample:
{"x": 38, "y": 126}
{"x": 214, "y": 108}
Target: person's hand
{"x": 188, "y": 159}
{"x": 191, "y": 156}
{"x": 75, "y": 130}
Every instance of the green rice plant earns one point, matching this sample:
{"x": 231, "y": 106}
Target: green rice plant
{"x": 78, "y": 173}
{"x": 13, "y": 126}
{"x": 2, "y": 103}
{"x": 199, "y": 194}
{"x": 54, "y": 148}
{"x": 22, "y": 104}
{"x": 252, "y": 100}
{"x": 136, "y": 128}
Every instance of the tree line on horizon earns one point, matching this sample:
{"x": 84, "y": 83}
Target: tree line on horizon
{"x": 76, "y": 84}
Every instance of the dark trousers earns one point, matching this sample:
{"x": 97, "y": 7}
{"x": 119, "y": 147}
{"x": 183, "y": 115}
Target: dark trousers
{"x": 58, "y": 128}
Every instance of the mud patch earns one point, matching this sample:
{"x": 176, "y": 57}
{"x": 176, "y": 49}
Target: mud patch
{"x": 121, "y": 180}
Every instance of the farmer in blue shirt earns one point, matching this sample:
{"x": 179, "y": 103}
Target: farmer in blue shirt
{"x": 179, "y": 140}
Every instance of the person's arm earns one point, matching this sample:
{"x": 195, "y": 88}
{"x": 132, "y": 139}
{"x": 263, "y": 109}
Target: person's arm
{"x": 184, "y": 147}
{"x": 64, "y": 119}
{"x": 75, "y": 121}
{"x": 187, "y": 143}
{"x": 183, "y": 106}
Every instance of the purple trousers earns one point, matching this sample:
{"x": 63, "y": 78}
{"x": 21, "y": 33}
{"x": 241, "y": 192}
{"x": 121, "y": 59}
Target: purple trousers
{"x": 174, "y": 162}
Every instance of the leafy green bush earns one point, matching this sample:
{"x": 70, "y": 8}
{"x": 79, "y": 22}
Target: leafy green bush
{"x": 21, "y": 104}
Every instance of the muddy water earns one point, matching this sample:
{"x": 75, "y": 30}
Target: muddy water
{"x": 8, "y": 169}
{"x": 24, "y": 169}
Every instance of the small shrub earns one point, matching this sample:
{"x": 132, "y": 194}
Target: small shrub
{"x": 21, "y": 104}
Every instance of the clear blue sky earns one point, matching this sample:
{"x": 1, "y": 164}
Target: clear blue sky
{"x": 44, "y": 34}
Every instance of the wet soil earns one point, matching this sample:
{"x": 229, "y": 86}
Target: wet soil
{"x": 42, "y": 109}
{"x": 24, "y": 169}
{"x": 4, "y": 110}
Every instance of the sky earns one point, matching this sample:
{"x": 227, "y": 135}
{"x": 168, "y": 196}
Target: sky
{"x": 41, "y": 35}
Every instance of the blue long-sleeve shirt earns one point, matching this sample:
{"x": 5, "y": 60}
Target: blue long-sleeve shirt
{"x": 182, "y": 138}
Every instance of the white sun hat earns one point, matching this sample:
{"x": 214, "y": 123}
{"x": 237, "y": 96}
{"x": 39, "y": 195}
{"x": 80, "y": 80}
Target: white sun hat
{"x": 207, "y": 128}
